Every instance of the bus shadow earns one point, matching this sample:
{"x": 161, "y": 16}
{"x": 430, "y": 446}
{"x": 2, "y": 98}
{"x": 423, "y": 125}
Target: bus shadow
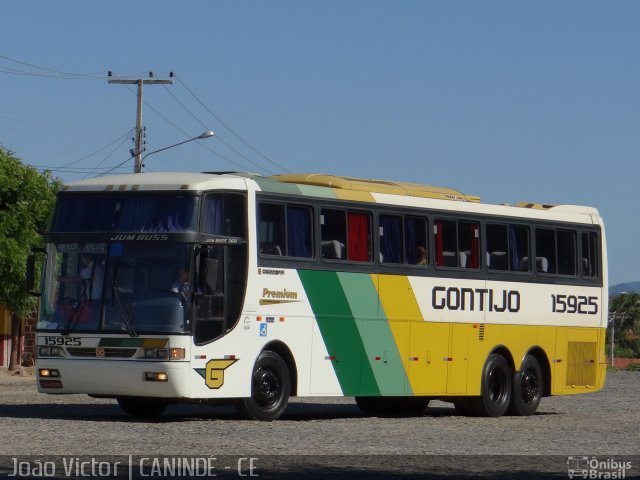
{"x": 112, "y": 413}
{"x": 296, "y": 412}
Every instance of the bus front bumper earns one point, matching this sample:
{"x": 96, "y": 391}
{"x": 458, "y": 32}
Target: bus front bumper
{"x": 114, "y": 378}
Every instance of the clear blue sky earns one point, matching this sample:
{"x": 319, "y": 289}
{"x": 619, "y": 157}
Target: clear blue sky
{"x": 536, "y": 101}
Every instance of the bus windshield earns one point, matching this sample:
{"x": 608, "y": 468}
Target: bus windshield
{"x": 135, "y": 287}
{"x": 125, "y": 212}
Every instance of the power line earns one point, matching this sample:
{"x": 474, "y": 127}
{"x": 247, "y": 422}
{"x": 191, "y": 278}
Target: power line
{"x": 218, "y": 136}
{"x": 120, "y": 138}
{"x": 240, "y": 154}
{"x": 52, "y": 72}
{"x": 46, "y": 72}
{"x": 114, "y": 168}
{"x": 51, "y": 168}
{"x": 243, "y": 167}
{"x": 186, "y": 109}
{"x": 229, "y": 128}
{"x": 108, "y": 156}
{"x": 88, "y": 170}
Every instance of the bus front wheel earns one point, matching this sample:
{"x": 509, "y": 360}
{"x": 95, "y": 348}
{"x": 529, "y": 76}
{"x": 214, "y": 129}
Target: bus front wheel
{"x": 495, "y": 393}
{"x": 270, "y": 389}
{"x": 142, "y": 407}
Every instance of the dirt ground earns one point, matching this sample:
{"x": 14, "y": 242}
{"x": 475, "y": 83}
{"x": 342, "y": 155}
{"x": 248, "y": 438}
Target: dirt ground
{"x": 20, "y": 375}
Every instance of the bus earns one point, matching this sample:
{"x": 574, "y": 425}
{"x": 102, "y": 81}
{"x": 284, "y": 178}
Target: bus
{"x": 225, "y": 287}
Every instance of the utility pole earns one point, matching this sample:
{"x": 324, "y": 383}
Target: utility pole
{"x": 137, "y": 149}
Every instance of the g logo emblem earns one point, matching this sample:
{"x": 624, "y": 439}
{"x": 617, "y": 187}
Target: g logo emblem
{"x": 214, "y": 372}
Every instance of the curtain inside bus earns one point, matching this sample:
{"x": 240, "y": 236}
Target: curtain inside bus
{"x": 299, "y": 231}
{"x": 391, "y": 239}
{"x": 115, "y": 212}
{"x": 358, "y": 237}
{"x": 224, "y": 214}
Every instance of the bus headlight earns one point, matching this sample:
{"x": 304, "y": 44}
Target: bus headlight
{"x": 164, "y": 353}
{"x": 156, "y": 376}
{"x": 44, "y": 351}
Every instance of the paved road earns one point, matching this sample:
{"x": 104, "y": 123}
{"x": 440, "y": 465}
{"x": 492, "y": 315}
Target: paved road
{"x": 605, "y": 424}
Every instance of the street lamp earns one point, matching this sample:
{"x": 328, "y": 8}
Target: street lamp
{"x": 138, "y": 167}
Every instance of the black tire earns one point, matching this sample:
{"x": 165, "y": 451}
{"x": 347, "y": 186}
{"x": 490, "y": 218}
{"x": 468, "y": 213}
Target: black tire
{"x": 392, "y": 406}
{"x": 495, "y": 393}
{"x": 528, "y": 386}
{"x": 270, "y": 389}
{"x": 142, "y": 407}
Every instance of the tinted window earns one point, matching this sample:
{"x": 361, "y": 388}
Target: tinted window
{"x": 117, "y": 212}
{"x": 507, "y": 247}
{"x": 456, "y": 243}
{"x": 285, "y": 230}
{"x": 589, "y": 254}
{"x": 345, "y": 235}
{"x": 224, "y": 214}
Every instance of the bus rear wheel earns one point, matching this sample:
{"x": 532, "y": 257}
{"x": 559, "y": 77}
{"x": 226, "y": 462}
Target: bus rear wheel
{"x": 527, "y": 388}
{"x": 270, "y": 389}
{"x": 142, "y": 407}
{"x": 495, "y": 394}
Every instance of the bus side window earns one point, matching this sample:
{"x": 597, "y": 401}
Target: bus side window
{"x": 333, "y": 233}
{"x": 507, "y": 247}
{"x": 518, "y": 248}
{"x": 497, "y": 247}
{"x": 446, "y": 243}
{"x": 589, "y": 255}
{"x": 391, "y": 250}
{"x": 345, "y": 235}
{"x": 545, "y": 261}
{"x": 456, "y": 244}
{"x": 359, "y": 237}
{"x": 270, "y": 229}
{"x": 299, "y": 232}
{"x": 415, "y": 237}
{"x": 468, "y": 239}
{"x": 224, "y": 214}
{"x": 566, "y": 252}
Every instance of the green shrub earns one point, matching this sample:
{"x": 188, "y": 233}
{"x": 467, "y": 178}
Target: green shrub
{"x": 625, "y": 352}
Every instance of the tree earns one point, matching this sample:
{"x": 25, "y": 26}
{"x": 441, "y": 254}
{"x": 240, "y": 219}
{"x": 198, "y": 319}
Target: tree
{"x": 625, "y": 311}
{"x": 26, "y": 202}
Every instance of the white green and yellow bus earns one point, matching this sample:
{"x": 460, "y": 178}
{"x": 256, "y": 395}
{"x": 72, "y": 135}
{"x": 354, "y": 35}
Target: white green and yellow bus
{"x": 161, "y": 288}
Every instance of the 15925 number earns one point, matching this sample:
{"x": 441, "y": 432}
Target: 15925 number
{"x": 63, "y": 341}
{"x": 574, "y": 304}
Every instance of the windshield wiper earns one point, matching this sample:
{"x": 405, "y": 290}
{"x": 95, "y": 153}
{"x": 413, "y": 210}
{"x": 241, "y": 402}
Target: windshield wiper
{"x": 127, "y": 320}
{"x": 75, "y": 313}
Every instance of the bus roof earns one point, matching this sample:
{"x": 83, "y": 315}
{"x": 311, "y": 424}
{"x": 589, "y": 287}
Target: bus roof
{"x": 378, "y": 186}
{"x": 307, "y": 184}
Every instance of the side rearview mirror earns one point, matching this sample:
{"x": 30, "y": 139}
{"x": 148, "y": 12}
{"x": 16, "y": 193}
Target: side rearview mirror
{"x": 30, "y": 275}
